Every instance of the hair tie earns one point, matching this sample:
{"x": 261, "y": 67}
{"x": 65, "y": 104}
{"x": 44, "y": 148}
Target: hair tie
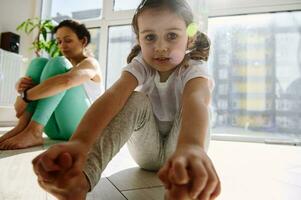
{"x": 192, "y": 29}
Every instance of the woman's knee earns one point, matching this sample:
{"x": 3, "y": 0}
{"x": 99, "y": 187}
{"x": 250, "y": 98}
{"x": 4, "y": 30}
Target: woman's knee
{"x": 35, "y": 68}
{"x": 55, "y": 66}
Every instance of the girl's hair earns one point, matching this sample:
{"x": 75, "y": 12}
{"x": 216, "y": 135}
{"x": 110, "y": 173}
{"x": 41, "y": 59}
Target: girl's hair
{"x": 201, "y": 45}
{"x": 79, "y": 29}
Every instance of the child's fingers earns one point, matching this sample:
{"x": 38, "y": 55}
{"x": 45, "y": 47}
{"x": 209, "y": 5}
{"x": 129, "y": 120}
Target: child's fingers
{"x": 44, "y": 174}
{"x": 179, "y": 171}
{"x": 76, "y": 168}
{"x": 217, "y": 191}
{"x": 211, "y": 184}
{"x": 178, "y": 192}
{"x": 199, "y": 178}
{"x": 36, "y": 159}
{"x": 49, "y": 157}
{"x": 163, "y": 175}
{"x": 65, "y": 161}
{"x": 41, "y": 173}
{"x": 49, "y": 164}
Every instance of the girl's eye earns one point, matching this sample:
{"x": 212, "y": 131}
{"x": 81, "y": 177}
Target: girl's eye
{"x": 172, "y": 36}
{"x": 59, "y": 42}
{"x": 150, "y": 37}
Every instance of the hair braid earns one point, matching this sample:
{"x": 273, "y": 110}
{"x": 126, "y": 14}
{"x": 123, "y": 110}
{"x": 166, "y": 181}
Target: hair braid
{"x": 134, "y": 52}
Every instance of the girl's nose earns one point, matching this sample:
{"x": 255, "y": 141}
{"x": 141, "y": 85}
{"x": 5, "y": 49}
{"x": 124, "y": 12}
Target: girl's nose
{"x": 161, "y": 47}
{"x": 161, "y": 50}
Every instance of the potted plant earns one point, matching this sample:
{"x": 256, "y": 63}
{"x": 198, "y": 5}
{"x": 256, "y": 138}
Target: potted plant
{"x": 44, "y": 41}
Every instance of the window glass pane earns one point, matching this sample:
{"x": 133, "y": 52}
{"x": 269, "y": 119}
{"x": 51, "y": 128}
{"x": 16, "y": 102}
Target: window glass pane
{"x": 95, "y": 42}
{"x": 256, "y": 63}
{"x": 126, "y": 4}
{"x": 121, "y": 41}
{"x": 76, "y": 9}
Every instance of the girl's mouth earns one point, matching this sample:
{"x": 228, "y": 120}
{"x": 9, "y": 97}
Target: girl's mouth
{"x": 162, "y": 59}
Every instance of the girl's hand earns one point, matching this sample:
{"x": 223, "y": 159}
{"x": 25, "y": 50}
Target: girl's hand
{"x": 24, "y": 83}
{"x": 190, "y": 170}
{"x": 59, "y": 169}
{"x": 20, "y": 106}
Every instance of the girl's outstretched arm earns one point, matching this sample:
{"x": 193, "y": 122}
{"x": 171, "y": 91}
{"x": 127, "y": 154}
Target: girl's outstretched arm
{"x": 57, "y": 178}
{"x": 104, "y": 109}
{"x": 190, "y": 165}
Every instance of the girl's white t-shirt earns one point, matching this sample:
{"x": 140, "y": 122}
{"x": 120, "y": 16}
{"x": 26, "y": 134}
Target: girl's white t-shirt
{"x": 166, "y": 97}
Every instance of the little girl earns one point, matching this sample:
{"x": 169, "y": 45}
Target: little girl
{"x": 164, "y": 122}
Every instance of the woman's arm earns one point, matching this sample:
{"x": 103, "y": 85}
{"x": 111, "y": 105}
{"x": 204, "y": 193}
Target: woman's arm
{"x": 104, "y": 109}
{"x": 86, "y": 70}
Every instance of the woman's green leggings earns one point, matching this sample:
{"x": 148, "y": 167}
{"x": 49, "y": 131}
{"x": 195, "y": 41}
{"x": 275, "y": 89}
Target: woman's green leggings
{"x": 59, "y": 114}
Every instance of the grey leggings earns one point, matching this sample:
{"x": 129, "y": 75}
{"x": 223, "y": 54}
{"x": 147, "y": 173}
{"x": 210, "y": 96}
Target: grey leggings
{"x": 136, "y": 125}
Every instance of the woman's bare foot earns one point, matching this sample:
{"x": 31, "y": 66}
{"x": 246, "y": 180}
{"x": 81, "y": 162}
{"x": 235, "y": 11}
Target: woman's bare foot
{"x": 22, "y": 124}
{"x": 30, "y": 136}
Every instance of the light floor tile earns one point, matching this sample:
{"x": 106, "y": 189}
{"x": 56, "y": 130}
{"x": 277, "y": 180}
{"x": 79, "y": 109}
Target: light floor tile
{"x": 134, "y": 178}
{"x": 155, "y": 193}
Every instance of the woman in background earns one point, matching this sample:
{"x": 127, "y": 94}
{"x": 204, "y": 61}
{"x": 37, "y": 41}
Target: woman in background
{"x": 55, "y": 93}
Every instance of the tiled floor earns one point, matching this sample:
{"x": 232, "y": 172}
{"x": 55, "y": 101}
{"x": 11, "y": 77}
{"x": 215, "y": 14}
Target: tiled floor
{"x": 248, "y": 171}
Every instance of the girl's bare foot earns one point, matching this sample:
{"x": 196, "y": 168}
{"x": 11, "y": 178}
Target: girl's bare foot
{"x": 30, "y": 136}
{"x": 22, "y": 123}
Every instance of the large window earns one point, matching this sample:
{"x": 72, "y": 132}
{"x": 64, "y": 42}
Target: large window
{"x": 95, "y": 41}
{"x": 256, "y": 63}
{"x": 75, "y": 9}
{"x": 255, "y": 59}
{"x": 121, "y": 40}
{"x": 126, "y": 5}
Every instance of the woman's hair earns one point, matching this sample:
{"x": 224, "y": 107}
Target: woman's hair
{"x": 79, "y": 29}
{"x": 201, "y": 45}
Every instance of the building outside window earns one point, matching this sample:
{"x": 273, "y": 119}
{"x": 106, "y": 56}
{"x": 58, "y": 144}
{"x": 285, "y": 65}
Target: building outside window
{"x": 257, "y": 69}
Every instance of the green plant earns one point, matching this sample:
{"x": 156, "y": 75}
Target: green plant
{"x": 41, "y": 42}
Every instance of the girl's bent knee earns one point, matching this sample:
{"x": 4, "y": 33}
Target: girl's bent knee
{"x": 149, "y": 166}
{"x": 138, "y": 98}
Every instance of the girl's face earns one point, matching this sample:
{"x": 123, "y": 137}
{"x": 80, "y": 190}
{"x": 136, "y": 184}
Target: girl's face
{"x": 69, "y": 44}
{"x": 163, "y": 38}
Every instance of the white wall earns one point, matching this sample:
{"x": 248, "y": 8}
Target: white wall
{"x": 13, "y": 13}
